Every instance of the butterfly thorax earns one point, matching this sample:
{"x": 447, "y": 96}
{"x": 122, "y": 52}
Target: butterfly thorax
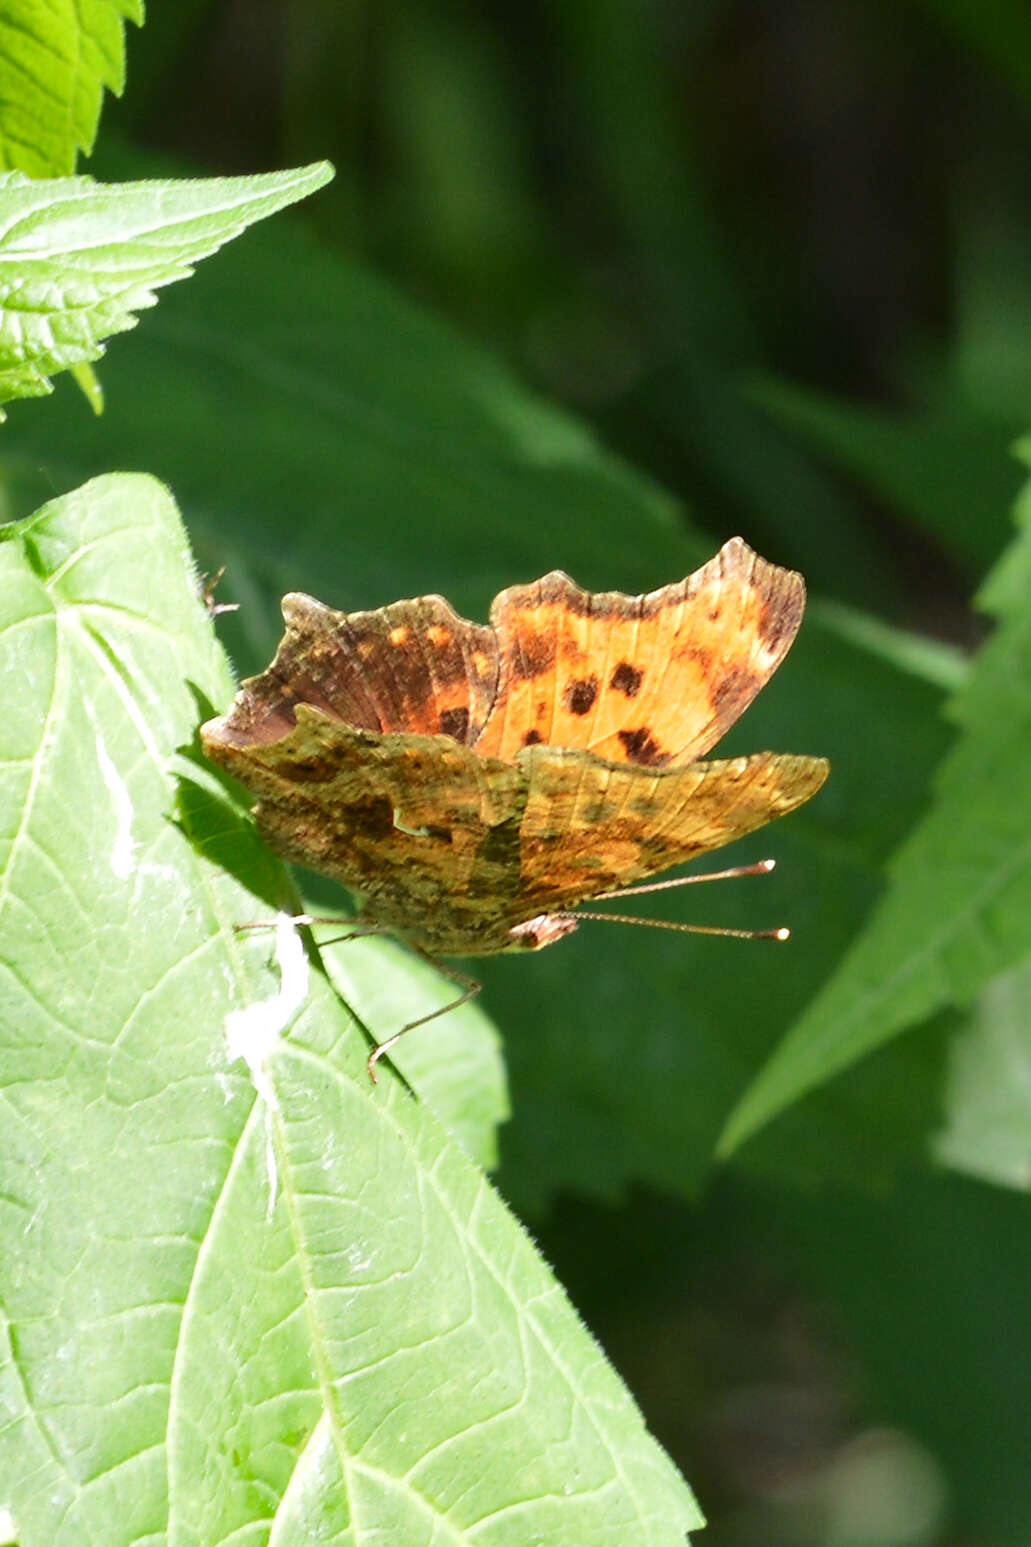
{"x": 459, "y": 931}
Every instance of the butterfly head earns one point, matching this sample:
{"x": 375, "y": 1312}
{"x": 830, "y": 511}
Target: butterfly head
{"x": 544, "y": 930}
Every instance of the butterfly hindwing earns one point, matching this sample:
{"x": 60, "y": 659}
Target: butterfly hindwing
{"x": 413, "y": 666}
{"x": 590, "y": 826}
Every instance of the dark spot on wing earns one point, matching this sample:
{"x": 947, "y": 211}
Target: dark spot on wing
{"x": 372, "y": 819}
{"x": 641, "y": 747}
{"x": 580, "y": 694}
{"x": 738, "y": 684}
{"x": 533, "y": 655}
{"x": 455, "y": 722}
{"x": 656, "y": 853}
{"x": 312, "y": 770}
{"x": 780, "y": 622}
{"x": 449, "y": 665}
{"x": 626, "y": 679}
{"x": 532, "y": 737}
{"x": 594, "y": 810}
{"x": 703, "y": 658}
{"x": 499, "y": 848}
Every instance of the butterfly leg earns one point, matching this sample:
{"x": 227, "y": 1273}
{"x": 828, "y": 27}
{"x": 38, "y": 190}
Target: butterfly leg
{"x": 357, "y": 929}
{"x": 470, "y": 988}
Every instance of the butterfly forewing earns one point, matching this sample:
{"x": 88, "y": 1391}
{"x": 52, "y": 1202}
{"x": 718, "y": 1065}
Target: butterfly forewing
{"x": 652, "y": 680}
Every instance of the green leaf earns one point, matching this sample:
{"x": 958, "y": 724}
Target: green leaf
{"x": 79, "y": 259}
{"x": 942, "y": 665}
{"x": 242, "y": 1292}
{"x": 55, "y": 61}
{"x": 987, "y": 1106}
{"x": 958, "y": 908}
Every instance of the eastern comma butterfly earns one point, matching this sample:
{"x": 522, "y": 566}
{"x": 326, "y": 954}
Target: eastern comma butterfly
{"x": 474, "y": 783}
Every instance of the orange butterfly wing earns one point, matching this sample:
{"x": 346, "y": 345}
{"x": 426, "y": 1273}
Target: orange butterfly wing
{"x": 653, "y": 680}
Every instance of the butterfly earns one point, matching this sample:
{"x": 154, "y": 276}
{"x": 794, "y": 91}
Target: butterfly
{"x": 473, "y": 783}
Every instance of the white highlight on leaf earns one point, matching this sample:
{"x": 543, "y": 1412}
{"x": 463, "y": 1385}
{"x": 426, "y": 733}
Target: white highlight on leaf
{"x": 253, "y": 1032}
{"x": 8, "y": 1530}
{"x": 359, "y": 1257}
{"x": 122, "y": 849}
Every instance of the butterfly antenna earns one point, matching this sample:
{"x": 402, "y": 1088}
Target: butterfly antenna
{"x": 761, "y": 867}
{"x": 685, "y": 929}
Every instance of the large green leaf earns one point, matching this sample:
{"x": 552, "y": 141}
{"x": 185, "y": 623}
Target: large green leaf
{"x": 243, "y": 1295}
{"x": 342, "y": 442}
{"x": 80, "y": 259}
{"x": 958, "y": 910}
{"x": 987, "y": 1106}
{"x": 55, "y": 62}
